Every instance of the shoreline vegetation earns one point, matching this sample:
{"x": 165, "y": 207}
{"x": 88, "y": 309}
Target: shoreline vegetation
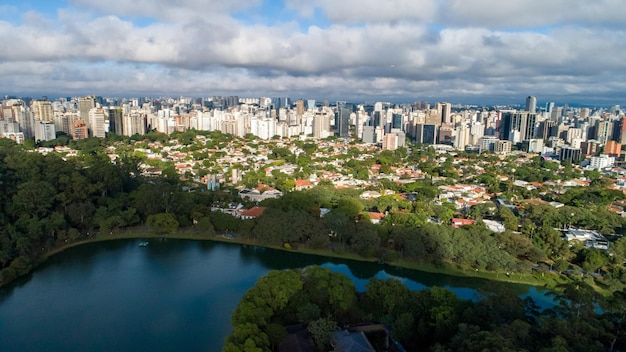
{"x": 530, "y": 279}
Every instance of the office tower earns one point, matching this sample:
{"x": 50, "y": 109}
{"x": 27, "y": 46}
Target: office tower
{"x": 342, "y": 119}
{"x": 426, "y": 133}
{"x": 310, "y": 104}
{"x": 280, "y": 102}
{"x": 42, "y": 110}
{"x": 96, "y": 122}
{"x": 446, "y": 113}
{"x": 231, "y": 102}
{"x": 438, "y": 113}
{"x": 397, "y": 121}
{"x": 116, "y": 120}
{"x": 570, "y": 153}
{"x": 531, "y": 104}
{"x": 517, "y": 126}
{"x": 619, "y": 130}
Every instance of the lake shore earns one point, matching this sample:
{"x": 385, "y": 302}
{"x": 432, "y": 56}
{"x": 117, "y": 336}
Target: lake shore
{"x": 547, "y": 280}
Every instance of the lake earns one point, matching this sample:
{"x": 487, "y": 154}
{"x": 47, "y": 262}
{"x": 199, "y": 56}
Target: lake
{"x": 173, "y": 295}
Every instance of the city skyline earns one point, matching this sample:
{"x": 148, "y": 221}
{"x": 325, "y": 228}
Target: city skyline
{"x": 451, "y": 50}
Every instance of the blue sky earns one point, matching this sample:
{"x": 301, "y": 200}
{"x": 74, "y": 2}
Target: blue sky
{"x": 468, "y": 51}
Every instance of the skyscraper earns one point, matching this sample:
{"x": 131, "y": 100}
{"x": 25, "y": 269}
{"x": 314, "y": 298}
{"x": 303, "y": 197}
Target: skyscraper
{"x": 116, "y": 120}
{"x": 342, "y": 119}
{"x": 397, "y": 121}
{"x": 517, "y": 126}
{"x": 531, "y": 104}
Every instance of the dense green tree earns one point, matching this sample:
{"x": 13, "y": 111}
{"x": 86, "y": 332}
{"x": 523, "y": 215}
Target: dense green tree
{"x": 322, "y": 329}
{"x": 247, "y": 337}
{"x": 332, "y": 292}
{"x": 162, "y": 223}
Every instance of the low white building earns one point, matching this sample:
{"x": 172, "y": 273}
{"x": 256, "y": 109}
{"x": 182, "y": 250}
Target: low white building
{"x": 590, "y": 238}
{"x": 494, "y": 226}
{"x": 601, "y": 162}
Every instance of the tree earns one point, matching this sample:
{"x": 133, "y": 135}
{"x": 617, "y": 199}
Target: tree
{"x": 162, "y": 223}
{"x": 387, "y": 297}
{"x": 247, "y": 337}
{"x": 594, "y": 259}
{"x": 270, "y": 294}
{"x": 332, "y": 292}
{"x": 322, "y": 329}
{"x": 508, "y": 218}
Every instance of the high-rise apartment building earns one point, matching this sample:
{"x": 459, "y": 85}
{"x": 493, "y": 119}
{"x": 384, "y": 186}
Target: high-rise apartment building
{"x": 299, "y": 108}
{"x": 44, "y": 131}
{"x": 604, "y": 131}
{"x": 79, "y": 129}
{"x": 443, "y": 113}
{"x": 96, "y": 122}
{"x": 24, "y": 117}
{"x": 85, "y": 104}
{"x": 42, "y": 110}
{"x": 134, "y": 123}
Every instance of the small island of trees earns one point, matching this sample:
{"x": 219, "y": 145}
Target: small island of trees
{"x": 428, "y": 320}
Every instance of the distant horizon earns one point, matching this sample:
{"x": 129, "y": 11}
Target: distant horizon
{"x": 486, "y": 102}
{"x": 479, "y": 52}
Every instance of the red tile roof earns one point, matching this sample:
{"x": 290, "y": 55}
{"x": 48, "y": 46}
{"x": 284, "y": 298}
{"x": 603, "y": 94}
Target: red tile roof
{"x": 253, "y": 212}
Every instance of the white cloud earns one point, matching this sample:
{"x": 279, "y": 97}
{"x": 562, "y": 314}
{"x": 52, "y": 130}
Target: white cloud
{"x": 369, "y": 50}
{"x": 530, "y": 13}
{"x": 166, "y": 9}
{"x": 367, "y": 11}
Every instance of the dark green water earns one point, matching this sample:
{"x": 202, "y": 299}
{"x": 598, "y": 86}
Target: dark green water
{"x": 173, "y": 295}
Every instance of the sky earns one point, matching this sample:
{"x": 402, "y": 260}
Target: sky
{"x": 462, "y": 51}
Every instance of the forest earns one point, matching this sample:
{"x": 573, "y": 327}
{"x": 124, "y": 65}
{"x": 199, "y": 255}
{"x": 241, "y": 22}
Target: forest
{"x": 428, "y": 320}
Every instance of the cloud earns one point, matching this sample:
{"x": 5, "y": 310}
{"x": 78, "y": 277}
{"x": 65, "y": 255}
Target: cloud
{"x": 530, "y": 13}
{"x": 366, "y": 50}
{"x": 166, "y": 9}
